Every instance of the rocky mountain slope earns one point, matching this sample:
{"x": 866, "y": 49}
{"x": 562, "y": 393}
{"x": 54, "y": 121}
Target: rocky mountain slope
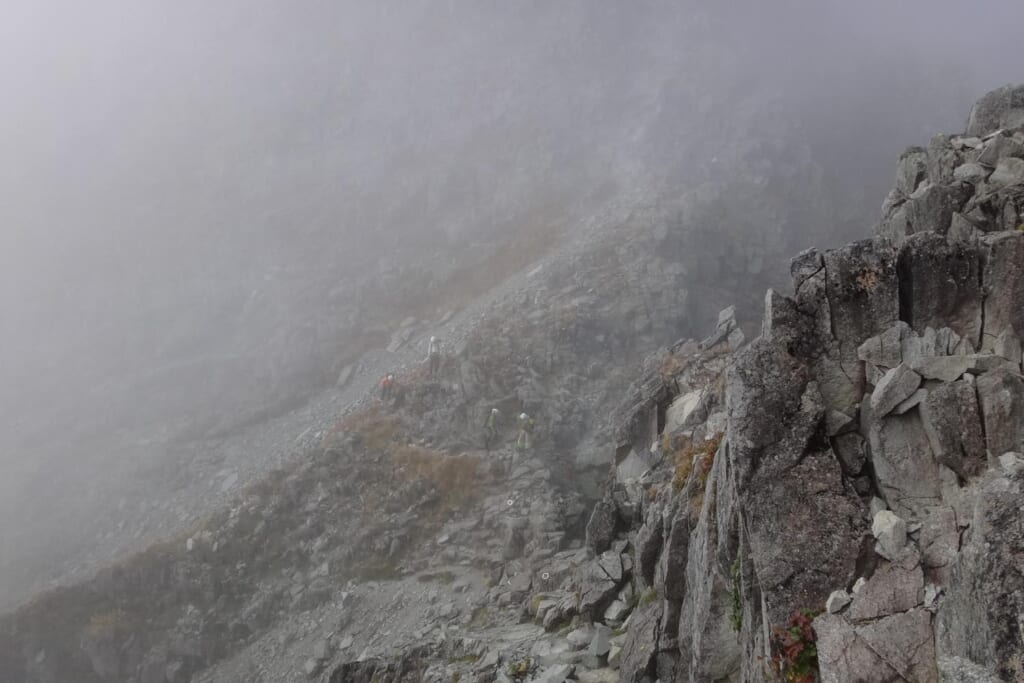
{"x": 842, "y": 501}
{"x": 557, "y": 342}
{"x": 405, "y": 188}
{"x": 836, "y": 500}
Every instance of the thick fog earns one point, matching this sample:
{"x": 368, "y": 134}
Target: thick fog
{"x": 207, "y": 208}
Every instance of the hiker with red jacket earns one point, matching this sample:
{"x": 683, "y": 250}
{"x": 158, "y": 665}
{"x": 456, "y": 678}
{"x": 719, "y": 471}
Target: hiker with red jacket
{"x": 386, "y": 387}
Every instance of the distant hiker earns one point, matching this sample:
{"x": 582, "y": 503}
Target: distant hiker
{"x": 387, "y": 384}
{"x": 434, "y": 356}
{"x": 525, "y": 428}
{"x": 491, "y": 429}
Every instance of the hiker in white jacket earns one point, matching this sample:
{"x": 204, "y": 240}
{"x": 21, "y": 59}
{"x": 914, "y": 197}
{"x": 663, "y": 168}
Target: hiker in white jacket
{"x": 434, "y": 356}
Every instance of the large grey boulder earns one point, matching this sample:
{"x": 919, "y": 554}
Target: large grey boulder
{"x": 1007, "y": 345}
{"x": 939, "y": 541}
{"x": 849, "y": 448}
{"x": 959, "y": 670}
{"x": 994, "y": 210}
{"x": 703, "y": 625}
{"x": 943, "y": 158}
{"x": 1001, "y": 396}
{"x": 671, "y": 579}
{"x": 885, "y": 350}
{"x": 940, "y": 285}
{"x": 918, "y": 350}
{"x": 900, "y": 647}
{"x": 616, "y": 612}
{"x": 929, "y": 210}
{"x": 783, "y": 322}
{"x": 894, "y": 226}
{"x": 837, "y": 600}
{"x": 906, "y": 472}
{"x": 598, "y": 582}
{"x": 944, "y": 368}
{"x": 971, "y": 173}
{"x": 862, "y": 291}
{"x": 804, "y": 525}
{"x": 844, "y": 297}
{"x": 602, "y": 526}
{"x": 894, "y": 587}
{"x": 840, "y": 380}
{"x": 1004, "y": 281}
{"x": 1001, "y": 108}
{"x": 896, "y": 386}
{"x": 911, "y": 170}
{"x": 600, "y": 644}
{"x": 850, "y": 297}
{"x": 961, "y": 229}
{"x": 1000, "y": 147}
{"x": 979, "y": 618}
{"x": 764, "y": 391}
{"x": 681, "y": 410}
{"x": 915, "y": 400}
{"x": 637, "y": 660}
{"x": 579, "y": 638}
{"x": 1009, "y": 171}
{"x": 844, "y": 656}
{"x": 632, "y": 467}
{"x": 952, "y": 423}
{"x": 1011, "y": 462}
{"x": 837, "y": 422}
{"x": 647, "y": 545}
{"x": 806, "y": 327}
{"x": 890, "y": 531}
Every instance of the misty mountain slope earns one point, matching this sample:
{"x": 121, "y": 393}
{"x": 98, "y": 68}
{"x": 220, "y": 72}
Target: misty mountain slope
{"x": 169, "y": 487}
{"x": 837, "y": 500}
{"x": 558, "y": 346}
{"x": 197, "y": 410}
{"x": 856, "y": 438}
{"x": 215, "y": 213}
{"x": 180, "y": 409}
{"x": 250, "y": 199}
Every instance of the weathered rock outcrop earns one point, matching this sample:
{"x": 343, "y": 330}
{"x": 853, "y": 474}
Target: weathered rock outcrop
{"x": 869, "y": 455}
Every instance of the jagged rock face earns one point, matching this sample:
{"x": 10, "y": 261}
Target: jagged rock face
{"x": 979, "y": 617}
{"x": 641, "y": 648}
{"x": 871, "y": 443}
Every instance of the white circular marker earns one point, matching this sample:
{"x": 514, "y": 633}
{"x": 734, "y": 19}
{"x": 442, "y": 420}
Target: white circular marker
{"x": 545, "y": 576}
{"x": 509, "y": 502}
